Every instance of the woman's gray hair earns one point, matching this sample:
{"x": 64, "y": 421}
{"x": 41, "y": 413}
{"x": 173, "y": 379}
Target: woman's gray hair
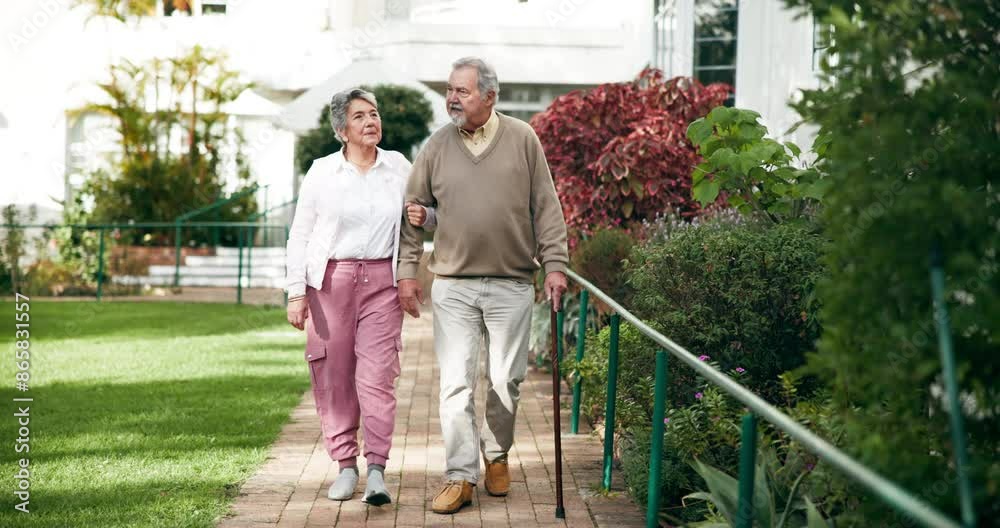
{"x": 338, "y": 108}
{"x": 487, "y": 75}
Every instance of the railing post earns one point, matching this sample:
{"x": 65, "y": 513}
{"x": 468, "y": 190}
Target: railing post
{"x": 251, "y": 234}
{"x": 581, "y": 343}
{"x": 177, "y": 253}
{"x": 100, "y": 266}
{"x": 748, "y": 461}
{"x": 265, "y": 213}
{"x": 266, "y": 230}
{"x": 656, "y": 449}
{"x": 612, "y": 394}
{"x": 239, "y": 267}
{"x": 951, "y": 387}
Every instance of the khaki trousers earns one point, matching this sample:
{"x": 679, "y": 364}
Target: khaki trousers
{"x": 469, "y": 312}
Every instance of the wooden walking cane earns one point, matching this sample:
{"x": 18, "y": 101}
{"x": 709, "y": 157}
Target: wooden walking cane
{"x": 557, "y": 427}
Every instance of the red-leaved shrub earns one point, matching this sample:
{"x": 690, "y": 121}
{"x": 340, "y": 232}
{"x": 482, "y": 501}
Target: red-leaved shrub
{"x": 619, "y": 153}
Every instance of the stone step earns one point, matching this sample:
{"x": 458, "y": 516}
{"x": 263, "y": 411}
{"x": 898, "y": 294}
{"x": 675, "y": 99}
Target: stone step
{"x": 234, "y": 260}
{"x": 216, "y": 271}
{"x": 218, "y": 282}
{"x": 257, "y": 251}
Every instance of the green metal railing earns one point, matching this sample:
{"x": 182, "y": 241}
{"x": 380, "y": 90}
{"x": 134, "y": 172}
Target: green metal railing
{"x": 181, "y": 220}
{"x": 890, "y": 493}
{"x": 243, "y": 235}
{"x": 268, "y": 210}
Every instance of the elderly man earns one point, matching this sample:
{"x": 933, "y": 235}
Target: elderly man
{"x": 498, "y": 217}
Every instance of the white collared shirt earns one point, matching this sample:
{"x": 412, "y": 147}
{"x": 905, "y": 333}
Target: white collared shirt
{"x": 343, "y": 214}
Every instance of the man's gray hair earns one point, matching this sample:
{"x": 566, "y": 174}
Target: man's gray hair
{"x": 487, "y": 75}
{"x": 339, "y": 104}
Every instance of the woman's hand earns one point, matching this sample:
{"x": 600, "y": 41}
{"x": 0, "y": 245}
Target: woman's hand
{"x": 298, "y": 312}
{"x": 416, "y": 214}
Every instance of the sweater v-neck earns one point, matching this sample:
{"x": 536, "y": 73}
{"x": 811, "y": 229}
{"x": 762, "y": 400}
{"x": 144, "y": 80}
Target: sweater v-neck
{"x": 501, "y": 125}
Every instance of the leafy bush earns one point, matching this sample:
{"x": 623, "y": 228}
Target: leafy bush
{"x": 707, "y": 431}
{"x": 618, "y": 152}
{"x": 777, "y": 503}
{"x": 600, "y": 258}
{"x": 758, "y": 174}
{"x": 677, "y": 478}
{"x": 150, "y": 180}
{"x": 912, "y": 103}
{"x": 46, "y": 277}
{"x": 743, "y": 295}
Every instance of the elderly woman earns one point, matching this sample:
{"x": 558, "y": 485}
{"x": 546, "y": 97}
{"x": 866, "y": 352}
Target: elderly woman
{"x": 342, "y": 250}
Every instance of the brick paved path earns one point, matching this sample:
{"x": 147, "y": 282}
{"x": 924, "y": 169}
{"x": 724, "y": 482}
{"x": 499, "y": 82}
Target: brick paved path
{"x": 289, "y": 490}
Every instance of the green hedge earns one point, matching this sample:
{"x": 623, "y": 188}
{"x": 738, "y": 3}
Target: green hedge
{"x": 740, "y": 293}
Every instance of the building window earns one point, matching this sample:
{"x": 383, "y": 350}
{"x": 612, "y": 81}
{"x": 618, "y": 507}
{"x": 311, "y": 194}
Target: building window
{"x": 213, "y": 7}
{"x": 715, "y": 23}
{"x": 822, "y": 35}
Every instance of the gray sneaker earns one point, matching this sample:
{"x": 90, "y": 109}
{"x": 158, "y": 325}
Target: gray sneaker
{"x": 343, "y": 488}
{"x": 375, "y": 492}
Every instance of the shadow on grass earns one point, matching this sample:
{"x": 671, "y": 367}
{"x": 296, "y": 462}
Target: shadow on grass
{"x": 79, "y": 320}
{"x": 150, "y": 503}
{"x": 159, "y": 453}
{"x": 159, "y": 417}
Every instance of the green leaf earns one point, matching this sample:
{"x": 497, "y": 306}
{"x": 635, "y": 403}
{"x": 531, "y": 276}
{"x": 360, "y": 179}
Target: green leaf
{"x": 710, "y": 145}
{"x": 627, "y": 208}
{"x": 794, "y": 148}
{"x": 723, "y": 116}
{"x": 780, "y": 208}
{"x": 818, "y": 189}
{"x": 821, "y": 143}
{"x": 724, "y": 158}
{"x": 751, "y": 131}
{"x": 699, "y": 131}
{"x": 763, "y": 502}
{"x": 747, "y": 161}
{"x": 747, "y": 115}
{"x": 700, "y": 171}
{"x": 813, "y": 517}
{"x": 706, "y": 192}
{"x": 637, "y": 188}
{"x": 723, "y": 490}
{"x": 786, "y": 174}
{"x": 736, "y": 200}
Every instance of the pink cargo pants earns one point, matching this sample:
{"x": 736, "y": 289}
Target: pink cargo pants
{"x": 352, "y": 347}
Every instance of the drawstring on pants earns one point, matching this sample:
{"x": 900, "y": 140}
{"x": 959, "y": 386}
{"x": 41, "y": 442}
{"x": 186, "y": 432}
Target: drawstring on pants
{"x": 364, "y": 272}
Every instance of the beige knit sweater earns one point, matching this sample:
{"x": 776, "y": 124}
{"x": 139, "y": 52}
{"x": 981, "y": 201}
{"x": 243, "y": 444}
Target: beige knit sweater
{"x": 497, "y": 212}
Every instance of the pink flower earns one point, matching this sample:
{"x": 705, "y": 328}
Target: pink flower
{"x": 703, "y": 357}
{"x": 698, "y": 395}
{"x": 666, "y": 420}
{"x": 741, "y": 370}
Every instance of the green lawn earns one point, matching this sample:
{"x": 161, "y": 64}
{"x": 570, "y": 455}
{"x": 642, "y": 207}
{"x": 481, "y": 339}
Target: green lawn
{"x": 145, "y": 414}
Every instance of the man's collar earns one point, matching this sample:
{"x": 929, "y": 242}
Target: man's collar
{"x": 488, "y": 126}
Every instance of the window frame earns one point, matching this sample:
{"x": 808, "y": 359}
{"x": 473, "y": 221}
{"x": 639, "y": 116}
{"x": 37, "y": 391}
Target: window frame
{"x": 697, "y": 41}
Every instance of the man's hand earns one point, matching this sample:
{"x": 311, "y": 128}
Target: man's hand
{"x": 555, "y": 286}
{"x": 411, "y": 296}
{"x": 298, "y": 312}
{"x": 416, "y": 214}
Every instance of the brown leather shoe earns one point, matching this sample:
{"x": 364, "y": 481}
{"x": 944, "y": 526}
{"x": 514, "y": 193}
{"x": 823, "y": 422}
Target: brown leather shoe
{"x": 497, "y": 478}
{"x": 454, "y": 495}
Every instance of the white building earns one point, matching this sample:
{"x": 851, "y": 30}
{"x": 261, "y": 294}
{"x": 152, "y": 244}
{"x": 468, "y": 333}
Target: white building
{"x": 299, "y": 52}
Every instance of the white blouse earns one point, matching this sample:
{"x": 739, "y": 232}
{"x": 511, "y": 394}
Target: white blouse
{"x": 343, "y": 214}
